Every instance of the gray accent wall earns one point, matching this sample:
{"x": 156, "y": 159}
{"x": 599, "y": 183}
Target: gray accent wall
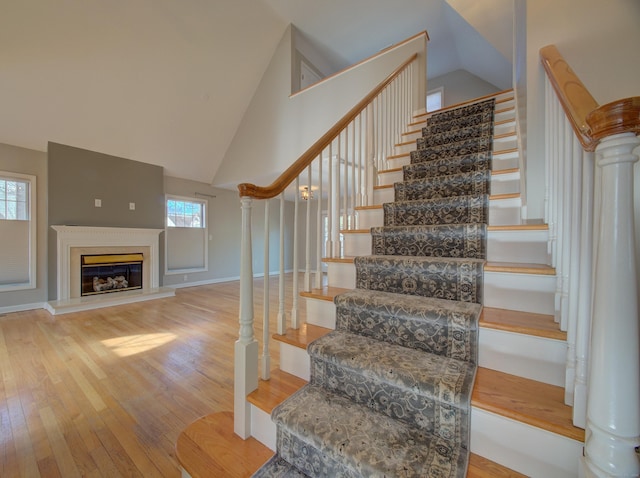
{"x": 77, "y": 177}
{"x": 27, "y": 161}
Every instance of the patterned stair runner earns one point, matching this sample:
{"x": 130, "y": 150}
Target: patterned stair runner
{"x": 390, "y": 388}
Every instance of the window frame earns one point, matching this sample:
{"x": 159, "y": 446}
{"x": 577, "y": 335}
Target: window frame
{"x": 203, "y": 228}
{"x": 33, "y": 223}
{"x": 440, "y": 92}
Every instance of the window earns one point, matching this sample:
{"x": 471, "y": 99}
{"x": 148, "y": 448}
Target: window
{"x": 14, "y": 199}
{"x": 18, "y": 231}
{"x": 186, "y": 235}
{"x": 435, "y": 99}
{"x": 182, "y": 213}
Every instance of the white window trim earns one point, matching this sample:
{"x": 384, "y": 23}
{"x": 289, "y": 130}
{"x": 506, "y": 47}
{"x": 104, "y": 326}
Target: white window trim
{"x": 205, "y": 230}
{"x": 33, "y": 223}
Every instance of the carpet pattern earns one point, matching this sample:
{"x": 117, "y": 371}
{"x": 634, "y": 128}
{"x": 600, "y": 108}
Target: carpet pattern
{"x": 390, "y": 388}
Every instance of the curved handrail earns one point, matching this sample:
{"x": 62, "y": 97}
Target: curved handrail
{"x": 590, "y": 121}
{"x": 293, "y": 171}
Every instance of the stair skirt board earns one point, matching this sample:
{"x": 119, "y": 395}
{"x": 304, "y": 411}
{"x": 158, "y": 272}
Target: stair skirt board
{"x": 390, "y": 387}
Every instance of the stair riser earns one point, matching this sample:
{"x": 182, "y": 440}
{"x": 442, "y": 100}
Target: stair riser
{"x": 538, "y": 358}
{"x": 502, "y": 246}
{"x": 524, "y": 292}
{"x": 293, "y": 362}
{"x": 501, "y": 212}
{"x": 524, "y": 448}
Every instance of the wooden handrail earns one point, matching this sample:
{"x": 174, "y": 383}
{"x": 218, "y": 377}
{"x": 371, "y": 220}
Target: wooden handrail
{"x": 590, "y": 122}
{"x": 293, "y": 171}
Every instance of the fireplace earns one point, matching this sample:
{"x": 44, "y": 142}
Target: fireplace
{"x": 109, "y": 273}
{"x": 79, "y": 246}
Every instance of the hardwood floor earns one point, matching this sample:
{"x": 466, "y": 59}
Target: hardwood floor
{"x": 107, "y": 392}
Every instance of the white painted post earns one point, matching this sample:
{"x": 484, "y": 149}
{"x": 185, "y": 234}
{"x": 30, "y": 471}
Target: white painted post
{"x": 613, "y": 410}
{"x": 246, "y": 347}
{"x": 320, "y": 229}
{"x": 307, "y": 237}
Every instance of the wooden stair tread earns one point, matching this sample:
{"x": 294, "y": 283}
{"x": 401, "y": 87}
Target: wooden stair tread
{"x": 528, "y": 323}
{"x": 509, "y": 267}
{"x": 505, "y": 151}
{"x": 497, "y": 197}
{"x": 535, "y": 403}
{"x": 504, "y": 135}
{"x": 303, "y": 336}
{"x": 209, "y": 447}
{"x": 520, "y": 268}
{"x": 270, "y": 393}
{"x": 527, "y": 225}
{"x": 481, "y": 467}
{"x": 326, "y": 293}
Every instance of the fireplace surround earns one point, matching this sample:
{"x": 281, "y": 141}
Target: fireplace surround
{"x": 72, "y": 242}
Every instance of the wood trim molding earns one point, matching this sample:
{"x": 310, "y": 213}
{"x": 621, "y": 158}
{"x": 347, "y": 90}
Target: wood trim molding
{"x": 590, "y": 122}
{"x": 621, "y": 116}
{"x": 293, "y": 171}
{"x": 574, "y": 97}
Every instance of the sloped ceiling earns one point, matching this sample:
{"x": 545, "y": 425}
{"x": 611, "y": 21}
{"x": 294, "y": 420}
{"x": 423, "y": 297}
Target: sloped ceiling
{"x": 166, "y": 82}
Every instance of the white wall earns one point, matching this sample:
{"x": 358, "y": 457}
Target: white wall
{"x": 599, "y": 39}
{"x": 277, "y": 129}
{"x": 28, "y": 161}
{"x": 460, "y": 86}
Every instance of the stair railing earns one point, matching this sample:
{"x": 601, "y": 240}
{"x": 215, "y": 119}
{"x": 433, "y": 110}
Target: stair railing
{"x": 590, "y": 156}
{"x": 337, "y": 175}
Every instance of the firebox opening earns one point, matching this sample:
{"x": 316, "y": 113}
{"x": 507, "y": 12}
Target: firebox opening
{"x": 106, "y": 273}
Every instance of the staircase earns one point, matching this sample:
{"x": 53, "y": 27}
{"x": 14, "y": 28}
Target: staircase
{"x": 518, "y": 422}
{"x": 517, "y": 417}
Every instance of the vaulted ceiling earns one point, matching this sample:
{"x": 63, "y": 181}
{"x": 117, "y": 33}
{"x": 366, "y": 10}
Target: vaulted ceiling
{"x": 166, "y": 82}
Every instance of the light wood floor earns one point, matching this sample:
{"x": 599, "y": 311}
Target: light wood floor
{"x": 107, "y": 392}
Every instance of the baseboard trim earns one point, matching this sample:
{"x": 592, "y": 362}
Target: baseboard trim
{"x": 221, "y": 279}
{"x": 22, "y": 307}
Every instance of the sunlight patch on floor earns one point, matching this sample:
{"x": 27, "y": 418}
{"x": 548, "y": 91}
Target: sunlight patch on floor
{"x": 135, "y": 344}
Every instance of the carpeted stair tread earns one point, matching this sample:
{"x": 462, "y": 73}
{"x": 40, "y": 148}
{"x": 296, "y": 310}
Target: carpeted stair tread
{"x": 325, "y": 435}
{"x": 276, "y": 467}
{"x": 442, "y": 240}
{"x": 442, "y": 278}
{"x": 468, "y": 146}
{"x": 454, "y": 135}
{"x": 424, "y": 390}
{"x": 461, "y": 111}
{"x": 460, "y": 184}
{"x": 454, "y": 210}
{"x": 457, "y": 123}
{"x": 433, "y": 325}
{"x": 480, "y": 161}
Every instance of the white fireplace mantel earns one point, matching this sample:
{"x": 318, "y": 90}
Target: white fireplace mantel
{"x": 71, "y": 237}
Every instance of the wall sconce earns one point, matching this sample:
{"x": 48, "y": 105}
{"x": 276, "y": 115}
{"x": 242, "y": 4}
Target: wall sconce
{"x": 306, "y": 193}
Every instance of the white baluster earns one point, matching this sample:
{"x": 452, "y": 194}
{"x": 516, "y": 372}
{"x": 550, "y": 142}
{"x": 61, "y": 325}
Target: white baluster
{"x": 246, "y": 347}
{"x": 585, "y": 293}
{"x": 330, "y": 200}
{"x": 613, "y": 411}
{"x": 334, "y": 217}
{"x": 266, "y": 357}
{"x": 294, "y": 309}
{"x": 282, "y": 316}
{"x": 307, "y": 247}
{"x": 319, "y": 226}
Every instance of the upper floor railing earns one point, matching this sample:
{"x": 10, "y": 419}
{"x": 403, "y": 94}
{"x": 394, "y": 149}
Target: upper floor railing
{"x": 589, "y": 206}
{"x": 326, "y": 185}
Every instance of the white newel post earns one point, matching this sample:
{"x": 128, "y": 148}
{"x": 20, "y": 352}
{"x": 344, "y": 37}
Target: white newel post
{"x": 246, "y": 347}
{"x": 613, "y": 408}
